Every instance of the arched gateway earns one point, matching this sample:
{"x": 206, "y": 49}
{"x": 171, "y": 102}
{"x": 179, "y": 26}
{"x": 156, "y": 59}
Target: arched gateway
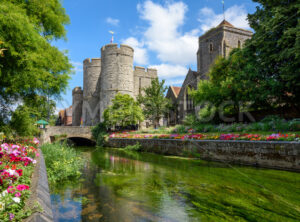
{"x": 67, "y": 132}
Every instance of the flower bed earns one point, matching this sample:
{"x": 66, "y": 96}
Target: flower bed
{"x": 17, "y": 163}
{"x": 231, "y": 136}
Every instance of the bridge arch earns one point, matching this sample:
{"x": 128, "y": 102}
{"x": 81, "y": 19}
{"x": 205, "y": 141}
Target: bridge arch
{"x": 74, "y": 133}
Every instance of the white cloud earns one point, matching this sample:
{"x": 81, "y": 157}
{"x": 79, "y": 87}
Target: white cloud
{"x": 140, "y": 53}
{"x": 77, "y": 66}
{"x": 167, "y": 71}
{"x": 174, "y": 82}
{"x": 236, "y": 15}
{"x": 163, "y": 35}
{"x": 112, "y": 21}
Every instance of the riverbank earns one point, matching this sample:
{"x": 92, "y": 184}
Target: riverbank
{"x": 282, "y": 155}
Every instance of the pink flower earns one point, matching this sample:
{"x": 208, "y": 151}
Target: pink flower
{"x": 10, "y": 189}
{"x": 22, "y": 187}
{"x": 18, "y": 194}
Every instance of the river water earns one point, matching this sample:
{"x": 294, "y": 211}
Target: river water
{"x": 118, "y": 185}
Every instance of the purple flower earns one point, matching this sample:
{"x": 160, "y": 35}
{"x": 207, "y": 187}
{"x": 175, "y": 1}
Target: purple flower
{"x": 11, "y": 216}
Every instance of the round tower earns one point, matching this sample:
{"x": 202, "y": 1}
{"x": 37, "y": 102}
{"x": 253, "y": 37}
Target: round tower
{"x": 91, "y": 78}
{"x": 116, "y": 74}
{"x": 77, "y": 99}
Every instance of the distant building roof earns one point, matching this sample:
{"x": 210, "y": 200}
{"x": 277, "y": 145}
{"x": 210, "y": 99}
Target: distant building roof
{"x": 69, "y": 111}
{"x": 176, "y": 90}
{"x": 61, "y": 113}
{"x": 225, "y": 23}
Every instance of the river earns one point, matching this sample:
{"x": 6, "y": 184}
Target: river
{"x": 118, "y": 185}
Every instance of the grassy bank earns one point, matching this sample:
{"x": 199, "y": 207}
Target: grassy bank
{"x": 62, "y": 161}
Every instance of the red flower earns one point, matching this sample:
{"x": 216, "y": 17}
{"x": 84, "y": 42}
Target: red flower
{"x": 20, "y": 172}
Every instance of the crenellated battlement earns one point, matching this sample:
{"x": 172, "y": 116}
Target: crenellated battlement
{"x": 115, "y": 49}
{"x": 92, "y": 62}
{"x": 143, "y": 72}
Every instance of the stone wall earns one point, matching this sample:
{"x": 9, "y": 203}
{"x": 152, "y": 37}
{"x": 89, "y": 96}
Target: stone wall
{"x": 40, "y": 193}
{"x": 143, "y": 78}
{"x": 269, "y": 154}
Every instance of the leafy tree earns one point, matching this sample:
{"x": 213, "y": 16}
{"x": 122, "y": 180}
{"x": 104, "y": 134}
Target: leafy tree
{"x": 31, "y": 65}
{"x": 22, "y": 123}
{"x": 124, "y": 111}
{"x": 233, "y": 79}
{"x": 266, "y": 71}
{"x": 40, "y": 106}
{"x": 276, "y": 49}
{"x": 154, "y": 103}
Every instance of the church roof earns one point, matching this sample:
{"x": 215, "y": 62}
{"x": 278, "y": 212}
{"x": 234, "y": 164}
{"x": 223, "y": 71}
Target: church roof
{"x": 176, "y": 90}
{"x": 225, "y": 23}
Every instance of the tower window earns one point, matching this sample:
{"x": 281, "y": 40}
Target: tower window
{"x": 210, "y": 47}
{"x": 140, "y": 85}
{"x": 239, "y": 44}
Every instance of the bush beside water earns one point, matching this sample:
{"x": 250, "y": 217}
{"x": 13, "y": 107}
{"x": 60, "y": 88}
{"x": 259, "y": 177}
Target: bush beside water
{"x": 63, "y": 162}
{"x": 99, "y": 133}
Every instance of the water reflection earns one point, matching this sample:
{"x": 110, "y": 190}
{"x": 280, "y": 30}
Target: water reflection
{"x": 128, "y": 186}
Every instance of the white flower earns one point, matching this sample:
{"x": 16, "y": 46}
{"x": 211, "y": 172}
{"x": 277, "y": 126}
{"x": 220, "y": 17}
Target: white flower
{"x": 16, "y": 199}
{"x": 4, "y": 193}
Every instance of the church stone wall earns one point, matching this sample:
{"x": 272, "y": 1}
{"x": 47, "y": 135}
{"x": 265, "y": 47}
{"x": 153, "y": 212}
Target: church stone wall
{"x": 210, "y": 47}
{"x": 77, "y": 95}
{"x": 91, "y": 76}
{"x": 232, "y": 37}
{"x": 116, "y": 75}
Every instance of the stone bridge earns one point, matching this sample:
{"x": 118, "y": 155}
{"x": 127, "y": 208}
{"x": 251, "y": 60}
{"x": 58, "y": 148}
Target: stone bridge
{"x": 66, "y": 132}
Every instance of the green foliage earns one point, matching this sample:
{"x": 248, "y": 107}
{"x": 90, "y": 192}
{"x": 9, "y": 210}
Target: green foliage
{"x": 276, "y": 46}
{"x": 189, "y": 120}
{"x": 63, "y": 162}
{"x": 99, "y": 133}
{"x": 124, "y": 111}
{"x": 136, "y": 147}
{"x": 270, "y": 123}
{"x": 180, "y": 129}
{"x": 22, "y": 123}
{"x": 154, "y": 103}
{"x": 31, "y": 66}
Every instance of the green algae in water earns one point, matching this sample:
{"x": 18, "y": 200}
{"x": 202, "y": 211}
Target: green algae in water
{"x": 120, "y": 185}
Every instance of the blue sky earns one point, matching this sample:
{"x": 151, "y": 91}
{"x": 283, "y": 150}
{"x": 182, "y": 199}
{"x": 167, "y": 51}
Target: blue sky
{"x": 163, "y": 33}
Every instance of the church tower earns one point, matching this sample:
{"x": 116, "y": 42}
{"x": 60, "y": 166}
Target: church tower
{"x": 219, "y": 41}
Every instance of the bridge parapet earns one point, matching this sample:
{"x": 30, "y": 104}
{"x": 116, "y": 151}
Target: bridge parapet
{"x": 67, "y": 131}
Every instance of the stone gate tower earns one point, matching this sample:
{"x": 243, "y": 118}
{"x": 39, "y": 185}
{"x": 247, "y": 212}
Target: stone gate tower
{"x": 103, "y": 78}
{"x": 117, "y": 73}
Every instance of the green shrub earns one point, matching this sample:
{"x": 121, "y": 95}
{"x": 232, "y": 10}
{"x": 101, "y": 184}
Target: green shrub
{"x": 136, "y": 147}
{"x": 294, "y": 125}
{"x": 180, "y": 129}
{"x": 99, "y": 133}
{"x": 63, "y": 162}
{"x": 190, "y": 120}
